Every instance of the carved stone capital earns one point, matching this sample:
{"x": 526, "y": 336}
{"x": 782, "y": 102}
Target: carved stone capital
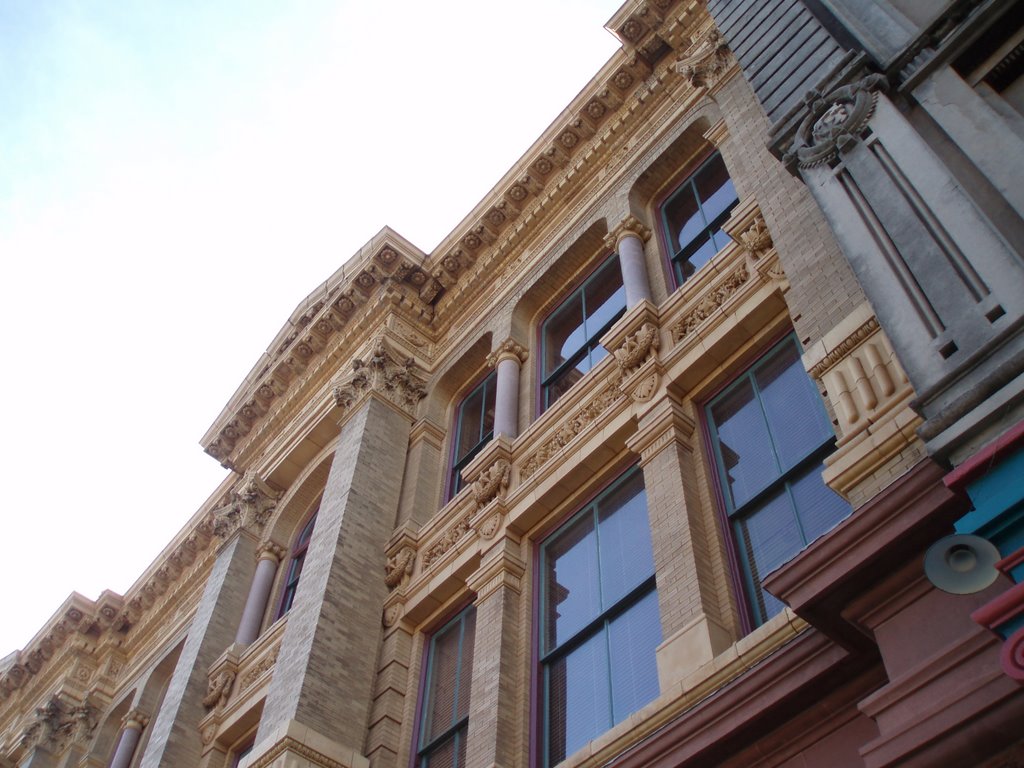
{"x": 249, "y": 505}
{"x": 834, "y": 122}
{"x": 135, "y": 719}
{"x": 705, "y": 61}
{"x": 398, "y": 569}
{"x": 59, "y": 723}
{"x": 630, "y": 226}
{"x": 398, "y": 379}
{"x": 509, "y": 348}
{"x": 270, "y": 550}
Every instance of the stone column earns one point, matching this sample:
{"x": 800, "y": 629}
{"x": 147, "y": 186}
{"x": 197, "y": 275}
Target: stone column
{"x": 494, "y": 733}
{"x": 131, "y": 731}
{"x": 508, "y": 357}
{"x": 628, "y": 239}
{"x": 269, "y": 555}
{"x": 174, "y": 739}
{"x": 688, "y": 558}
{"x": 319, "y": 699}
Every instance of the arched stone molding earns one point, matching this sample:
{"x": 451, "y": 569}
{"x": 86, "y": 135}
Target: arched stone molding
{"x": 109, "y": 730}
{"x": 150, "y": 696}
{"x": 299, "y": 501}
{"x": 573, "y": 260}
{"x": 450, "y": 380}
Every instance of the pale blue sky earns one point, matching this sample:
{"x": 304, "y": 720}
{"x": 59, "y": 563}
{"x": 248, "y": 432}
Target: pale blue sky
{"x": 174, "y": 178}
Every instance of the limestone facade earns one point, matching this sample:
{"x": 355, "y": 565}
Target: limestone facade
{"x": 649, "y": 309}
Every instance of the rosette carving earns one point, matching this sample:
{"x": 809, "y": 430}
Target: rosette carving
{"x": 834, "y": 122}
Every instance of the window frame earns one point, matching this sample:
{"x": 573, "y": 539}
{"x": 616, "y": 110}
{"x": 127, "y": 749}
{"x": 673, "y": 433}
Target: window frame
{"x": 671, "y": 249}
{"x": 297, "y": 552}
{"x": 420, "y": 750}
{"x": 453, "y": 483}
{"x": 545, "y": 380}
{"x": 594, "y": 627}
{"x": 730, "y": 514}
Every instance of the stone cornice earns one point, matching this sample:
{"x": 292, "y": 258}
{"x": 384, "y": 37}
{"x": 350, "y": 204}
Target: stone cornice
{"x": 389, "y": 276}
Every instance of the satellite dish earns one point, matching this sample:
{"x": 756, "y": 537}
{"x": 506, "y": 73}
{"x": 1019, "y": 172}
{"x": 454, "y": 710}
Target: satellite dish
{"x": 961, "y": 564}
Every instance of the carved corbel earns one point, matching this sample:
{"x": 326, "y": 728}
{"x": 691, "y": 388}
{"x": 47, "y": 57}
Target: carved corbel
{"x": 492, "y": 482}
{"x": 704, "y": 62}
{"x": 398, "y": 569}
{"x": 219, "y": 689}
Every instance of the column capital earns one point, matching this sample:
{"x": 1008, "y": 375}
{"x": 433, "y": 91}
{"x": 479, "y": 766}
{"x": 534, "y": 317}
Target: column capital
{"x": 134, "y": 719}
{"x": 509, "y": 349}
{"x": 665, "y": 424}
{"x": 271, "y": 550}
{"x": 630, "y": 226}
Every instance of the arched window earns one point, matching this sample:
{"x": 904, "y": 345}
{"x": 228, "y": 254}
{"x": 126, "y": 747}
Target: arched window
{"x": 693, "y": 215}
{"x": 295, "y": 566}
{"x": 569, "y": 335}
{"x": 473, "y": 428}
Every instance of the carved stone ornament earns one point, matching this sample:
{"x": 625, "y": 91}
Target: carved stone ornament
{"x": 834, "y": 122}
{"x": 249, "y": 505}
{"x": 399, "y": 380}
{"x": 59, "y": 723}
{"x": 448, "y": 540}
{"x": 398, "y": 568}
{"x": 710, "y": 304}
{"x": 507, "y": 348}
{"x": 491, "y": 482}
{"x": 489, "y": 527}
{"x": 392, "y": 614}
{"x": 637, "y": 348}
{"x": 259, "y": 668}
{"x": 629, "y": 226}
{"x": 219, "y": 689}
{"x": 705, "y": 61}
{"x": 756, "y": 239}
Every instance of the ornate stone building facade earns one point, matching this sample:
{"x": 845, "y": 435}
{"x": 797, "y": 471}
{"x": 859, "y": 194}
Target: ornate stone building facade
{"x": 639, "y": 466}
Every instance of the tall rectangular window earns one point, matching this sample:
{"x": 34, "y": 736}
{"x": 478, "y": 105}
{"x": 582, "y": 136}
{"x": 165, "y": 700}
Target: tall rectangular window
{"x": 444, "y": 717}
{"x": 693, "y": 215}
{"x": 770, "y": 434}
{"x": 474, "y": 427}
{"x": 600, "y": 624}
{"x": 569, "y": 335}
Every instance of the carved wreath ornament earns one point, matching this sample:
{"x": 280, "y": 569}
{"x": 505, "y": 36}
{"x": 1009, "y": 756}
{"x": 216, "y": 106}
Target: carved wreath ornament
{"x": 834, "y": 122}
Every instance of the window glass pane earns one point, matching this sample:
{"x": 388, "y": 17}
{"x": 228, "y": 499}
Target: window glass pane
{"x": 748, "y": 463}
{"x": 564, "y": 333}
{"x": 571, "y": 595}
{"x": 696, "y": 257}
{"x": 466, "y": 665}
{"x": 443, "y": 755}
{"x": 444, "y": 667}
{"x": 820, "y": 508}
{"x": 604, "y": 297}
{"x": 490, "y": 387}
{"x": 715, "y": 188}
{"x": 794, "y": 410}
{"x": 564, "y": 381}
{"x": 470, "y": 423}
{"x": 578, "y": 698}
{"x": 684, "y": 218}
{"x": 633, "y": 638}
{"x": 625, "y": 540}
{"x": 770, "y": 536}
